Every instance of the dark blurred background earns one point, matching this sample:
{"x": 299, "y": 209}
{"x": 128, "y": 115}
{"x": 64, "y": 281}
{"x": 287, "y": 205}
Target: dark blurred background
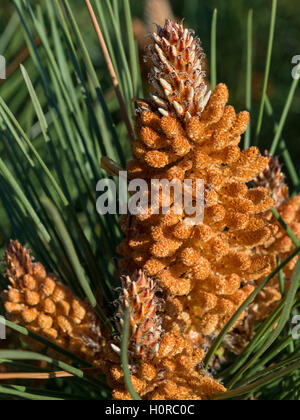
{"x": 232, "y": 21}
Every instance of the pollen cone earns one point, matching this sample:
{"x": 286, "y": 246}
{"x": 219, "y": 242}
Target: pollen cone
{"x": 278, "y": 245}
{"x": 183, "y": 133}
{"x": 42, "y": 304}
{"x": 273, "y": 178}
{"x": 164, "y": 365}
{"x": 177, "y": 78}
{"x": 138, "y": 293}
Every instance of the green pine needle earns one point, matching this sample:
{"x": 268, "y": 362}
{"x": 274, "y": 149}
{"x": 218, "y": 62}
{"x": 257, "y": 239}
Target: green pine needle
{"x": 124, "y": 355}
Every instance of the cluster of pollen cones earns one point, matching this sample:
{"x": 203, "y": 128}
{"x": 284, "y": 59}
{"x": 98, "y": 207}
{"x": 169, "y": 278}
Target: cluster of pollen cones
{"x": 181, "y": 283}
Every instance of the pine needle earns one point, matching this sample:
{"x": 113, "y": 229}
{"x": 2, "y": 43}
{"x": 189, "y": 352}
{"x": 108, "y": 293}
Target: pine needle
{"x": 267, "y": 70}
{"x": 111, "y": 70}
{"x": 44, "y": 376}
{"x": 124, "y": 356}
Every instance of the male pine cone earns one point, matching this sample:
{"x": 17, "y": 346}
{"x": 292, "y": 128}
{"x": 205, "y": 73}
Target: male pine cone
{"x": 206, "y": 271}
{"x": 163, "y": 365}
{"x": 42, "y": 304}
{"x": 279, "y": 245}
